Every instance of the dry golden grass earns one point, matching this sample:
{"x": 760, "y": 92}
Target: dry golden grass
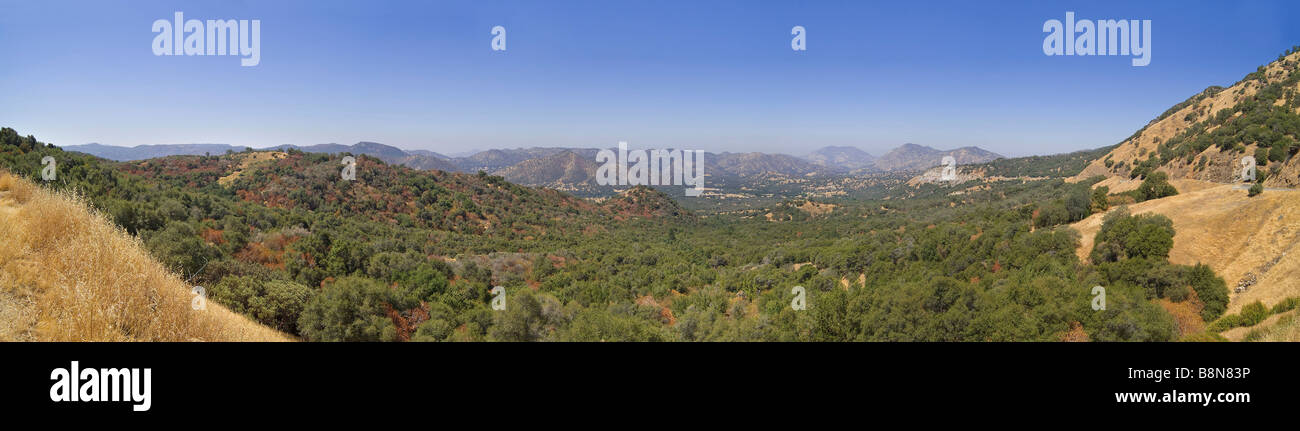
{"x": 1233, "y": 234}
{"x": 1286, "y": 327}
{"x": 68, "y": 274}
{"x": 1143, "y": 146}
{"x": 1121, "y": 184}
{"x": 1275, "y": 325}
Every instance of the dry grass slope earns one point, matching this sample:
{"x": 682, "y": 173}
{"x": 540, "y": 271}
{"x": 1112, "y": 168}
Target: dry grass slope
{"x": 68, "y": 274}
{"x": 1284, "y": 328}
{"x": 1234, "y": 234}
{"x": 1148, "y": 141}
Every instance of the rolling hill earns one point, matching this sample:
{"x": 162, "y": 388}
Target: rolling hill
{"x": 912, "y": 157}
{"x": 559, "y": 170}
{"x": 1200, "y": 144}
{"x": 752, "y": 164}
{"x": 69, "y": 274}
{"x": 1206, "y": 136}
{"x": 1240, "y": 237}
{"x": 846, "y": 158}
{"x": 418, "y": 159}
{"x": 142, "y": 152}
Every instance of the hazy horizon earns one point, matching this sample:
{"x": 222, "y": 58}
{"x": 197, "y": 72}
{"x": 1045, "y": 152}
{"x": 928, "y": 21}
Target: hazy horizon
{"x": 472, "y": 152}
{"x": 719, "y": 76}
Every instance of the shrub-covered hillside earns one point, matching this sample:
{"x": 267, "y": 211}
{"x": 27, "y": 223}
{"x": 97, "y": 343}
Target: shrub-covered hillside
{"x": 401, "y": 254}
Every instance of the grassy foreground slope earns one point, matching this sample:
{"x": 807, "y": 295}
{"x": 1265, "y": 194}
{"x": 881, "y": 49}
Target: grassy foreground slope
{"x": 68, "y": 274}
{"x": 1240, "y": 237}
{"x": 1250, "y": 241}
{"x": 1248, "y": 238}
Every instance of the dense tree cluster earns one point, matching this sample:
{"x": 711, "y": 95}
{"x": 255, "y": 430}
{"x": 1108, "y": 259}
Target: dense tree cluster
{"x": 1132, "y": 252}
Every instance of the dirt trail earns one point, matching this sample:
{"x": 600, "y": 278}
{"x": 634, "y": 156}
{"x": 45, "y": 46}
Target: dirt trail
{"x": 1234, "y": 234}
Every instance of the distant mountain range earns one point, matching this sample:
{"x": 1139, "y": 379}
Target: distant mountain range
{"x": 848, "y": 158}
{"x": 418, "y": 159}
{"x": 559, "y": 167}
{"x": 142, "y": 152}
{"x": 912, "y": 157}
{"x": 555, "y": 171}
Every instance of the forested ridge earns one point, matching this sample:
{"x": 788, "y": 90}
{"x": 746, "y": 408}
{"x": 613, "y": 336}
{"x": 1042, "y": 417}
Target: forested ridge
{"x": 410, "y": 255}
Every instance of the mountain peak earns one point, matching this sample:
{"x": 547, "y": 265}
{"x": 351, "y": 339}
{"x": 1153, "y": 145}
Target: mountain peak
{"x": 911, "y": 156}
{"x": 842, "y": 157}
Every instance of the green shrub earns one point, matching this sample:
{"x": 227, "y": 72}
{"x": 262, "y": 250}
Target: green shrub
{"x": 1255, "y": 190}
{"x": 275, "y": 303}
{"x": 1177, "y": 292}
{"x": 1210, "y": 289}
{"x": 1254, "y": 313}
{"x": 1155, "y": 186}
{"x": 1123, "y": 236}
{"x": 349, "y": 309}
{"x": 442, "y": 321}
{"x": 1204, "y": 337}
{"x": 1261, "y": 156}
{"x": 1100, "y": 199}
{"x": 180, "y": 249}
{"x": 1286, "y": 305}
{"x": 1052, "y": 214}
{"x": 1228, "y": 321}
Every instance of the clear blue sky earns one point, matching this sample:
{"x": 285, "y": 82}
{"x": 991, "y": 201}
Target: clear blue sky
{"x": 702, "y": 74}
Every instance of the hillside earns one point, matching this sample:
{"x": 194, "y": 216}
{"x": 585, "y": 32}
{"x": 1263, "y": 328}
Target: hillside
{"x": 497, "y": 159}
{"x": 406, "y": 255}
{"x": 1206, "y": 136}
{"x": 556, "y": 171}
{"x": 752, "y": 164}
{"x": 69, "y": 274}
{"x": 846, "y": 158}
{"x": 142, "y": 152}
{"x": 382, "y": 192}
{"x": 426, "y": 162}
{"x": 1236, "y": 235}
{"x": 643, "y": 201}
{"x": 418, "y": 159}
{"x": 912, "y": 157}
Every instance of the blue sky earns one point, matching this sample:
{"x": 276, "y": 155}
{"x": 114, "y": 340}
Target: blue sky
{"x": 703, "y": 74}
